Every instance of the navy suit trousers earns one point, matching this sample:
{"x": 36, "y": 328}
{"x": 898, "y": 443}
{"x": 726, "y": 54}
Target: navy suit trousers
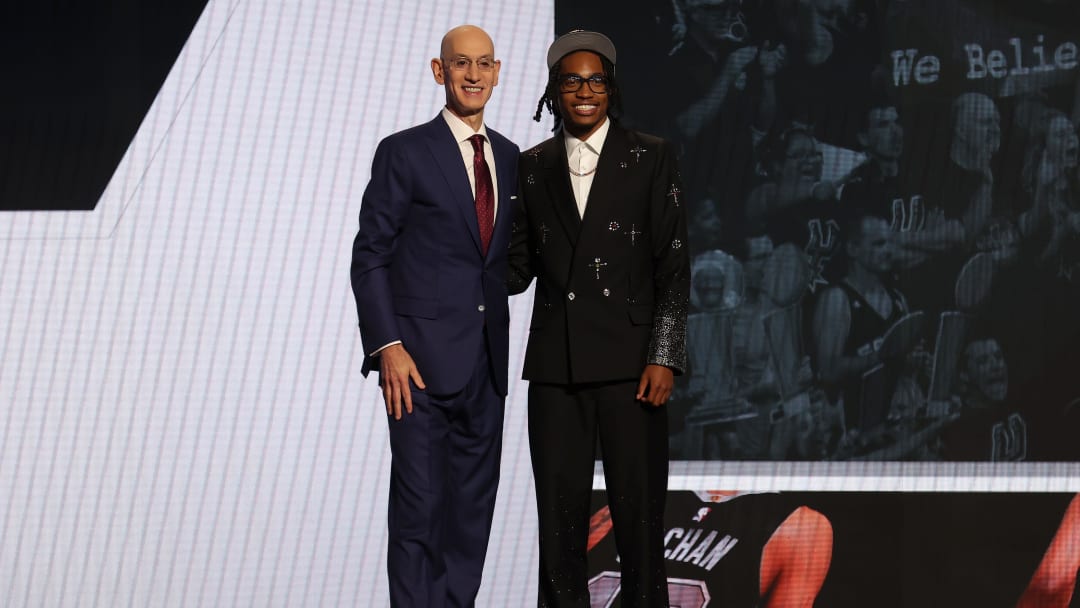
{"x": 443, "y": 479}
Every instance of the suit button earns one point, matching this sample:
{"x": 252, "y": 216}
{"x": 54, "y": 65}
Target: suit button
{"x": 480, "y": 308}
{"x": 570, "y": 296}
{"x": 607, "y": 292}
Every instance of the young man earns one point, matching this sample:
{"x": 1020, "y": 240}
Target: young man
{"x": 881, "y": 188}
{"x": 603, "y": 229}
{"x": 851, "y": 318}
{"x": 428, "y": 272}
{"x": 990, "y": 427}
{"x": 960, "y": 202}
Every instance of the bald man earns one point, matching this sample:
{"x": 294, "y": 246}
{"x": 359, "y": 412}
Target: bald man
{"x": 429, "y": 271}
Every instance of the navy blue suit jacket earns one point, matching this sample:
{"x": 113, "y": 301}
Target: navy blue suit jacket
{"x": 418, "y": 271}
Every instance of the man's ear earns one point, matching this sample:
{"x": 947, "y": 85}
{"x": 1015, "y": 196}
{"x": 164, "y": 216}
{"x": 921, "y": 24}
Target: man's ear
{"x": 437, "y": 71}
{"x": 863, "y": 140}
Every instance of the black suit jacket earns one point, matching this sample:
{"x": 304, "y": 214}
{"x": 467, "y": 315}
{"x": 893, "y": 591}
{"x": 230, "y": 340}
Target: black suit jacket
{"x": 612, "y": 287}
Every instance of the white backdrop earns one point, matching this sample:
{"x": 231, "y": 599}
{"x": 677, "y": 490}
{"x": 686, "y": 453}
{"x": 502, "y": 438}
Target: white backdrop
{"x": 182, "y": 418}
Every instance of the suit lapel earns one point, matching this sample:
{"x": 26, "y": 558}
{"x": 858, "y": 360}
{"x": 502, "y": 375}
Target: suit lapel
{"x": 560, "y": 192}
{"x": 608, "y": 173}
{"x": 448, "y": 159}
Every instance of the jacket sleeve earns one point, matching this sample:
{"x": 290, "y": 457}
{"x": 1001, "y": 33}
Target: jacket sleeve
{"x": 671, "y": 264}
{"x": 521, "y": 271}
{"x": 383, "y": 211}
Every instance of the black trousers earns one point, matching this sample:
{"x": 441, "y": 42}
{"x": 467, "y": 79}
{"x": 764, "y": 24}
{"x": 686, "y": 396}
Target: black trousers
{"x": 565, "y": 422}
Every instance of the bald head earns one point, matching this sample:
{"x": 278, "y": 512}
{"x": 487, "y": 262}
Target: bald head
{"x": 976, "y": 130}
{"x": 467, "y": 69}
{"x": 465, "y": 35}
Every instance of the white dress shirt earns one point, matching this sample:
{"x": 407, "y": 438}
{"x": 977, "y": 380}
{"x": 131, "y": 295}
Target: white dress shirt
{"x": 582, "y": 157}
{"x": 462, "y": 132}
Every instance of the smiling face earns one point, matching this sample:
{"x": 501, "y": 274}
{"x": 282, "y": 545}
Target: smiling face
{"x": 468, "y": 71}
{"x": 709, "y": 284}
{"x": 802, "y": 161}
{"x": 582, "y": 111}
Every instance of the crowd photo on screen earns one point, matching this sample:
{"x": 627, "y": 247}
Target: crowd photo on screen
{"x": 884, "y": 202}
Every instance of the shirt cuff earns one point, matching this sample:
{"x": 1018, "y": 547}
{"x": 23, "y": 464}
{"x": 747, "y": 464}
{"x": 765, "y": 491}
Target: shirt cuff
{"x": 383, "y": 347}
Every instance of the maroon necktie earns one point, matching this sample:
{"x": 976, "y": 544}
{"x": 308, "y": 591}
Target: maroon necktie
{"x": 485, "y": 192}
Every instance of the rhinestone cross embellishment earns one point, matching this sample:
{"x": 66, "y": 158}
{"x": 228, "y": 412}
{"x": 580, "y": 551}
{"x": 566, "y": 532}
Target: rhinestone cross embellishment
{"x": 597, "y": 265}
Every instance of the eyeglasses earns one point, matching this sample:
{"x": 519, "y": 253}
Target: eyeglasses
{"x": 461, "y": 64}
{"x": 571, "y": 83}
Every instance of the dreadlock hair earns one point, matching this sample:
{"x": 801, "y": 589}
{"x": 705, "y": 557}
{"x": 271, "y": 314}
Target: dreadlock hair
{"x": 550, "y": 98}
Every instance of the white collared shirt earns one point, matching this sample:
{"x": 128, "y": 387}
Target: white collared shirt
{"x": 462, "y": 132}
{"x": 582, "y": 157}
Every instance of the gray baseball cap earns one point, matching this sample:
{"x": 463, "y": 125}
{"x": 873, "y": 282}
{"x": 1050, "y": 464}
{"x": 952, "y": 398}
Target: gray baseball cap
{"x": 580, "y": 40}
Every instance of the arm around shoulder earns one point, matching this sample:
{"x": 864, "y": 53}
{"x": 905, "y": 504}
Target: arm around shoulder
{"x": 520, "y": 268}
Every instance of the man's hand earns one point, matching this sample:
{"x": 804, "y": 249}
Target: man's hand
{"x": 396, "y": 368}
{"x": 655, "y": 385}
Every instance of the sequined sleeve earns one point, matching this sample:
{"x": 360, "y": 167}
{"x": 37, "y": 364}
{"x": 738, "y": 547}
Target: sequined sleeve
{"x": 671, "y": 265}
